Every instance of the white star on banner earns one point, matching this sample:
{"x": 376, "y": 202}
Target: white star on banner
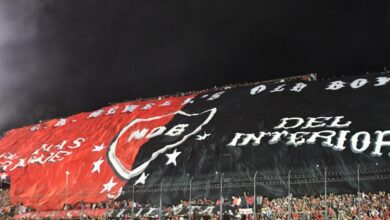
{"x": 141, "y": 179}
{"x": 96, "y": 165}
{"x": 3, "y": 176}
{"x": 108, "y": 186}
{"x": 98, "y": 148}
{"x": 202, "y": 137}
{"x": 172, "y": 157}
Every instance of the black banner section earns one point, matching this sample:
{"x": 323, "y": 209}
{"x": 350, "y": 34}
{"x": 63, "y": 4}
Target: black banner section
{"x": 277, "y": 129}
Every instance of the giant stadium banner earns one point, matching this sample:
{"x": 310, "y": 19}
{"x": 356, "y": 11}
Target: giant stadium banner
{"x": 275, "y": 126}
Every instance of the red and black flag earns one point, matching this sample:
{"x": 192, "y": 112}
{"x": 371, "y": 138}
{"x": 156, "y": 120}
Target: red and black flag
{"x": 274, "y": 126}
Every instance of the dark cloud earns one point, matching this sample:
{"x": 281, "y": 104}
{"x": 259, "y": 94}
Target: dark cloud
{"x": 62, "y": 57}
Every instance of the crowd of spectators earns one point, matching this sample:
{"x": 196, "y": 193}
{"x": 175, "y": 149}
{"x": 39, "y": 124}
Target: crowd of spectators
{"x": 5, "y": 205}
{"x": 343, "y": 206}
{"x": 375, "y": 206}
{"x": 371, "y": 206}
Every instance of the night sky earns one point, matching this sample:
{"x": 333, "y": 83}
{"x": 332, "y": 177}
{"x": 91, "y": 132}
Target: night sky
{"x": 62, "y": 57}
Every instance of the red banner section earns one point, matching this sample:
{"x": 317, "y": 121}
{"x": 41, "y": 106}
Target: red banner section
{"x": 64, "y": 160}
